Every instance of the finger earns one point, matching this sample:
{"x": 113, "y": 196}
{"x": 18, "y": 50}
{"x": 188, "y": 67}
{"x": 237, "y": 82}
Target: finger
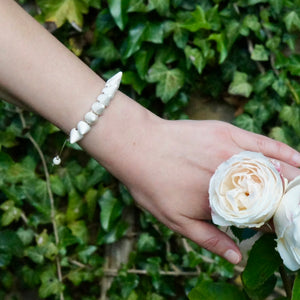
{"x": 267, "y": 146}
{"x": 211, "y": 238}
{"x": 289, "y": 172}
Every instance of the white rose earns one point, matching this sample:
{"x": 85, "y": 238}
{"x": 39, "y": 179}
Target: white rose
{"x": 245, "y": 191}
{"x": 287, "y": 226}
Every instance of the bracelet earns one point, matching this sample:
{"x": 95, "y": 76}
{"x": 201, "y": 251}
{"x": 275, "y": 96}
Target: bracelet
{"x": 91, "y": 117}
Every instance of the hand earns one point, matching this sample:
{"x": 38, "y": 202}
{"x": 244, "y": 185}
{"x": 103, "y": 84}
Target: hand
{"x": 170, "y": 172}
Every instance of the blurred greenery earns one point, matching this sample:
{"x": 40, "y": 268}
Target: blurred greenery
{"x": 60, "y": 243}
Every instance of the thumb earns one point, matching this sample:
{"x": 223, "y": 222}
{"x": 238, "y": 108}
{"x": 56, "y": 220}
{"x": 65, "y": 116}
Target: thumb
{"x": 211, "y": 238}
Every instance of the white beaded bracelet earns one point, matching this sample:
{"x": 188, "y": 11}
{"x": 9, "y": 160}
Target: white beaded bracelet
{"x": 90, "y": 118}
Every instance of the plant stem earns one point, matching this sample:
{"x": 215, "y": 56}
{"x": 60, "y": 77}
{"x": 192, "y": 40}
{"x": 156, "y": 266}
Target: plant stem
{"x": 286, "y": 281}
{"x": 50, "y": 194}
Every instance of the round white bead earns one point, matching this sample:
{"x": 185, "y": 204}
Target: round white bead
{"x": 56, "y": 160}
{"x": 104, "y": 99}
{"x": 90, "y": 117}
{"x": 98, "y": 108}
{"x": 75, "y": 136}
{"x": 83, "y": 127}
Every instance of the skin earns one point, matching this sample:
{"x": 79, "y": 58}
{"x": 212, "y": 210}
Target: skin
{"x": 166, "y": 165}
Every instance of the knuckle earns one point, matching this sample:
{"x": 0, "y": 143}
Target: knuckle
{"x": 211, "y": 243}
{"x": 261, "y": 145}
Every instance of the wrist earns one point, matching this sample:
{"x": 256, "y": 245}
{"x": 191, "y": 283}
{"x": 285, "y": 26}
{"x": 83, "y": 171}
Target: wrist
{"x": 119, "y": 134}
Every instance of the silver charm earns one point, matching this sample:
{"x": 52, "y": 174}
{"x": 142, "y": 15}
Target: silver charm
{"x": 56, "y": 160}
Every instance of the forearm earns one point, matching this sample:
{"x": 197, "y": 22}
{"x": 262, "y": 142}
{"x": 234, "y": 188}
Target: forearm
{"x": 45, "y": 76}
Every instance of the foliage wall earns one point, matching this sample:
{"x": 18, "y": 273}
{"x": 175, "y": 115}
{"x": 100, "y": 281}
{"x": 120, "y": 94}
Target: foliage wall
{"x": 73, "y": 232}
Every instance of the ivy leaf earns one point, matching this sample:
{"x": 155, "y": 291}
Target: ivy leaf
{"x": 207, "y": 290}
{"x": 111, "y": 210}
{"x": 105, "y": 49}
{"x": 246, "y": 122}
{"x": 263, "y": 261}
{"x": 10, "y": 245}
{"x": 146, "y": 243}
{"x": 79, "y": 229}
{"x": 142, "y": 60}
{"x": 118, "y": 9}
{"x": 162, "y": 6}
{"x": 134, "y": 80}
{"x": 219, "y": 38}
{"x": 195, "y": 20}
{"x": 240, "y": 86}
{"x": 154, "y": 33}
{"x": 296, "y": 288}
{"x": 291, "y": 115}
{"x": 195, "y": 57}
{"x": 134, "y": 40}
{"x": 169, "y": 81}
{"x": 60, "y": 11}
{"x": 259, "y": 53}
{"x": 75, "y": 206}
{"x": 50, "y": 284}
{"x": 292, "y": 21}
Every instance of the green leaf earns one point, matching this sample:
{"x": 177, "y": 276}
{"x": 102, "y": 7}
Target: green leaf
{"x": 134, "y": 41}
{"x": 291, "y": 115}
{"x": 280, "y": 86}
{"x": 292, "y": 21}
{"x": 50, "y": 284}
{"x": 263, "y": 291}
{"x": 219, "y": 38}
{"x": 154, "y": 33}
{"x": 195, "y": 57}
{"x": 263, "y": 81}
{"x": 206, "y": 290}
{"x": 180, "y": 36}
{"x": 118, "y": 9}
{"x": 246, "y": 122}
{"x": 142, "y": 60}
{"x": 57, "y": 185}
{"x": 104, "y": 49}
{"x": 111, "y": 210}
{"x": 240, "y": 86}
{"x": 80, "y": 230}
{"x": 146, "y": 243}
{"x": 11, "y": 243}
{"x": 134, "y": 80}
{"x": 162, "y": 6}
{"x": 263, "y": 261}
{"x": 86, "y": 253}
{"x": 60, "y": 11}
{"x": 259, "y": 53}
{"x": 296, "y": 288}
{"x": 169, "y": 81}
{"x": 75, "y": 206}
{"x": 35, "y": 254}
{"x": 195, "y": 20}
{"x": 252, "y": 22}
{"x": 25, "y": 235}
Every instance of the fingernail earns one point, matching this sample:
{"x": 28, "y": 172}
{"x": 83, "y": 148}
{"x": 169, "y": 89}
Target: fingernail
{"x": 296, "y": 158}
{"x": 232, "y": 256}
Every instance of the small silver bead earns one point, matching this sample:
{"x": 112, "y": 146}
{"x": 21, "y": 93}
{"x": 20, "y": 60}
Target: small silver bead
{"x": 56, "y": 160}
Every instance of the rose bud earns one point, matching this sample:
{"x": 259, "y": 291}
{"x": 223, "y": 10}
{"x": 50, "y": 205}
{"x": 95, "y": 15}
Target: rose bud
{"x": 245, "y": 190}
{"x": 287, "y": 226}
